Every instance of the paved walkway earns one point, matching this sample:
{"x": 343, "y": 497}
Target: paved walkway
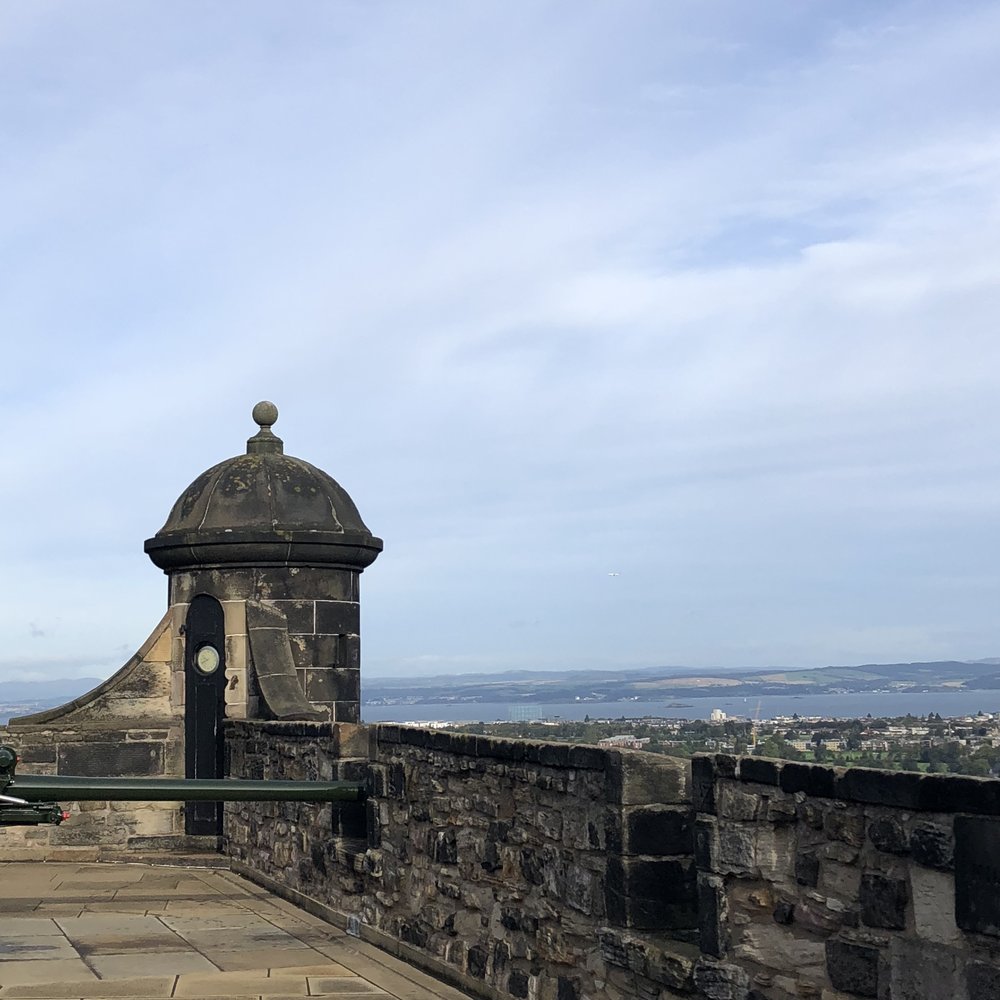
{"x": 127, "y": 930}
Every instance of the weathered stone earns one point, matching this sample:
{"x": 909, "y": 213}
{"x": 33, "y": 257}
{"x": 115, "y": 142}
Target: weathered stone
{"x": 110, "y": 758}
{"x": 706, "y": 842}
{"x": 815, "y": 781}
{"x": 590, "y": 758}
{"x": 810, "y": 813}
{"x": 517, "y": 984}
{"x": 703, "y": 784}
{"x": 934, "y": 906}
{"x": 515, "y": 919}
{"x": 37, "y": 754}
{"x": 613, "y": 947}
{"x": 807, "y": 868}
{"x": 932, "y": 845}
{"x": 726, "y": 765}
{"x": 336, "y": 617}
{"x": 582, "y": 890}
{"x": 840, "y": 852}
{"x": 883, "y": 901}
{"x": 775, "y": 845}
{"x": 672, "y": 969}
{"x": 782, "y": 811}
{"x": 977, "y": 874}
{"x": 721, "y": 981}
{"x": 533, "y": 903}
{"x": 853, "y": 968}
{"x": 636, "y": 778}
{"x": 839, "y": 880}
{"x": 811, "y": 779}
{"x": 533, "y": 866}
{"x": 920, "y": 970}
{"x": 819, "y": 918}
{"x": 497, "y": 834}
{"x": 757, "y": 896}
{"x": 658, "y": 830}
{"x": 772, "y": 946}
{"x": 550, "y": 823}
{"x": 955, "y": 793}
{"x": 418, "y": 933}
{"x": 442, "y": 846}
{"x": 736, "y": 804}
{"x": 983, "y": 981}
{"x": 884, "y": 788}
{"x": 567, "y": 988}
{"x": 712, "y": 915}
{"x": 476, "y": 962}
{"x": 845, "y": 824}
{"x": 652, "y": 894}
{"x": 737, "y": 849}
{"x": 759, "y": 770}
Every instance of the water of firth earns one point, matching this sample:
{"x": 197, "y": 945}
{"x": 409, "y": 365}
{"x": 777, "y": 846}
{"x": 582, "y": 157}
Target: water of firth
{"x": 834, "y": 706}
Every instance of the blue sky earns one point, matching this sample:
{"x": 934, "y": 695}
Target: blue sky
{"x": 704, "y": 295}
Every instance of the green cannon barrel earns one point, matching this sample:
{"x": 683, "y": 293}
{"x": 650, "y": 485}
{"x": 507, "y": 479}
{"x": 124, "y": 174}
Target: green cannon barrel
{"x": 45, "y": 787}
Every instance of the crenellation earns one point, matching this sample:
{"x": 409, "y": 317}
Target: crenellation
{"x": 497, "y": 842}
{"x": 786, "y": 895}
{"x": 870, "y": 885}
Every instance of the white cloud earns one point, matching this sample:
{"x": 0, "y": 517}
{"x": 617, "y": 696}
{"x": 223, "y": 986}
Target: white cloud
{"x": 712, "y": 305}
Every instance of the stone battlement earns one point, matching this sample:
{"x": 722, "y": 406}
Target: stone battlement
{"x": 547, "y": 870}
{"x": 493, "y": 862}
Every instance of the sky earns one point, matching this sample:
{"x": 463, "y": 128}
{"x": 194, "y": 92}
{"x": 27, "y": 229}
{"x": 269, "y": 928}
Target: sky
{"x": 643, "y": 333}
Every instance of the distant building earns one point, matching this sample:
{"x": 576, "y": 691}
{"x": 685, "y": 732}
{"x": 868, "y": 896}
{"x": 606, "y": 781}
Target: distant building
{"x": 627, "y": 741}
{"x": 717, "y": 715}
{"x": 525, "y": 713}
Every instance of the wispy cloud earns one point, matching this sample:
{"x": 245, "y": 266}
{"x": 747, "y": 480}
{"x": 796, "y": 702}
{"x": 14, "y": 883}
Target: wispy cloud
{"x": 708, "y": 299}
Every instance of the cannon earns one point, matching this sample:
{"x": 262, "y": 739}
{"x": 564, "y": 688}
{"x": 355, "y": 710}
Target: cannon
{"x": 27, "y": 800}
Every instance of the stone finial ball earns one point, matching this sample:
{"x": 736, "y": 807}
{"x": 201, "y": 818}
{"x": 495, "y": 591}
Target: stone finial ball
{"x": 265, "y": 413}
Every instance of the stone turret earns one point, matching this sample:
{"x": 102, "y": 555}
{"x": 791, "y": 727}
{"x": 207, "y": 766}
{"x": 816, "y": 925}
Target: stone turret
{"x": 263, "y": 554}
{"x": 280, "y": 545}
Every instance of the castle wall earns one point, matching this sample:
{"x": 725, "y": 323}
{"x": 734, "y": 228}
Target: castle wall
{"x": 512, "y": 867}
{"x": 556, "y": 872}
{"x": 831, "y": 882}
{"x": 131, "y": 724}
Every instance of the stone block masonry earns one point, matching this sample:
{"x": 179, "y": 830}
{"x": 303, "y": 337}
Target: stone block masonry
{"x": 516, "y": 868}
{"x": 554, "y": 872}
{"x": 128, "y": 725}
{"x": 319, "y": 617}
{"x": 833, "y": 883}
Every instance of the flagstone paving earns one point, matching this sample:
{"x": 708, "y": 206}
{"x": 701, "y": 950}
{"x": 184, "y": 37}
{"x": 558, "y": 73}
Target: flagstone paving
{"x": 84, "y": 931}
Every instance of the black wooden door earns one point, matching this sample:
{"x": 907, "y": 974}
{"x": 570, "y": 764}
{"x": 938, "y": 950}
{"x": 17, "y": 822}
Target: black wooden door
{"x": 204, "y": 700}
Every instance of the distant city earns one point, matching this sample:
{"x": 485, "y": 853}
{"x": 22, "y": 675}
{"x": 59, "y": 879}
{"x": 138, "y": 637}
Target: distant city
{"x": 934, "y": 744}
{"x": 26, "y": 697}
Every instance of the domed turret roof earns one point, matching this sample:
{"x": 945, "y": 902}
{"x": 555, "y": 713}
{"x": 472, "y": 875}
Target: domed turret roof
{"x": 263, "y": 508}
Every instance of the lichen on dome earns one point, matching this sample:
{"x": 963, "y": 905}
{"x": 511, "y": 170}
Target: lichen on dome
{"x": 237, "y": 512}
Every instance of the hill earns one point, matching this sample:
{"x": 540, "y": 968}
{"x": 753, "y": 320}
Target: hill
{"x": 655, "y": 683}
